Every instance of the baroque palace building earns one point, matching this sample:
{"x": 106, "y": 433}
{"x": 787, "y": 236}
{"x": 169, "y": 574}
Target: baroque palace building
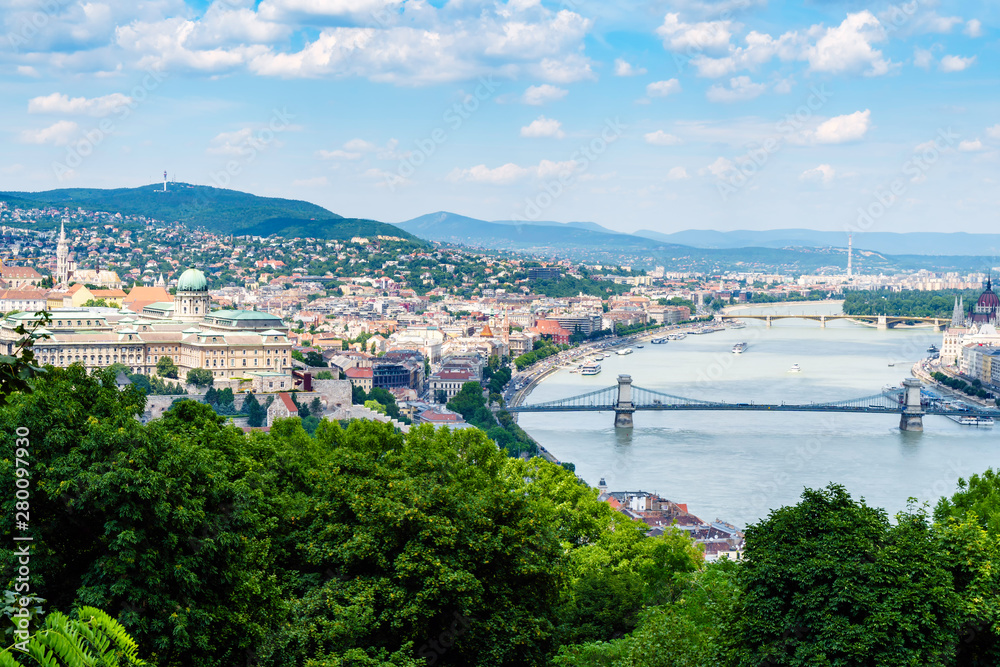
{"x": 240, "y": 347}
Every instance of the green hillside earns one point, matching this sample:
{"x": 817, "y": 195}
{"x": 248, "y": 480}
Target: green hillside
{"x": 339, "y": 229}
{"x": 215, "y": 209}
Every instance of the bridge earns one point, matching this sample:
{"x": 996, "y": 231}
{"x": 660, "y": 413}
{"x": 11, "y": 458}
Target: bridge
{"x": 624, "y": 400}
{"x": 880, "y": 321}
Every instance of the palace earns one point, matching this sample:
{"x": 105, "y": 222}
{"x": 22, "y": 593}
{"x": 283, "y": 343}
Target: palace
{"x": 243, "y": 349}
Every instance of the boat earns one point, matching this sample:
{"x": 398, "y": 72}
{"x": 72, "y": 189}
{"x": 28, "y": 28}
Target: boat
{"x": 622, "y": 353}
{"x": 933, "y": 349}
{"x": 795, "y": 369}
{"x": 736, "y": 324}
{"x": 658, "y": 341}
{"x": 740, "y": 348}
{"x": 639, "y": 347}
{"x": 969, "y": 420}
{"x": 592, "y": 368}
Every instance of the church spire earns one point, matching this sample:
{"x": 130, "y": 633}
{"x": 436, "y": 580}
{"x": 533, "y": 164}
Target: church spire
{"x": 957, "y": 316}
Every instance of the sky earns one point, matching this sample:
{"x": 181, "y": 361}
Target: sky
{"x": 661, "y": 115}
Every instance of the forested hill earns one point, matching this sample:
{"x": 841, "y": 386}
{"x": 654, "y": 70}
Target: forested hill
{"x": 939, "y": 303}
{"x": 216, "y": 209}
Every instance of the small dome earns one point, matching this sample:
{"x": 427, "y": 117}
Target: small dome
{"x": 192, "y": 280}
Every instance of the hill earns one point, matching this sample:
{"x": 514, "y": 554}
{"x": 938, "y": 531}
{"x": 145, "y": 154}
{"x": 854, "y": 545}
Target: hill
{"x": 911, "y": 243}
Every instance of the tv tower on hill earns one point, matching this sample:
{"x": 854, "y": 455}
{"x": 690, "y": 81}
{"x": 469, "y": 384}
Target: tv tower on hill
{"x": 164, "y": 181}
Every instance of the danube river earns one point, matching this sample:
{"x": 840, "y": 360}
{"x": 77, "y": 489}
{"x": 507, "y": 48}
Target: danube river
{"x": 738, "y": 466}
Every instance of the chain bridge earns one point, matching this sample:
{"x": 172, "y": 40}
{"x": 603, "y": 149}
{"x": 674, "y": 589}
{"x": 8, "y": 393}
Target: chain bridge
{"x": 624, "y": 400}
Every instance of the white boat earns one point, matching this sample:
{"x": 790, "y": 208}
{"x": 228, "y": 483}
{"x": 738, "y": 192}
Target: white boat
{"x": 590, "y": 369}
{"x": 740, "y": 348}
{"x": 795, "y": 369}
{"x": 658, "y": 341}
{"x": 622, "y": 353}
{"x": 969, "y": 420}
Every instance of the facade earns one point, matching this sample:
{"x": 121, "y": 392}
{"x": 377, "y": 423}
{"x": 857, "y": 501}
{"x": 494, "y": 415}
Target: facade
{"x": 361, "y": 377}
{"x": 233, "y": 345}
{"x": 19, "y": 276}
{"x": 29, "y": 300}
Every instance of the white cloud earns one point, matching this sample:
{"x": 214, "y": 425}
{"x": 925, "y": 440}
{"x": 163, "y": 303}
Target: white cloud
{"x": 511, "y": 173}
{"x": 360, "y": 145}
{"x": 704, "y": 36}
{"x": 840, "y": 129}
{"x": 993, "y": 132}
{"x": 741, "y": 89}
{"x": 956, "y": 63}
{"x": 663, "y": 88}
{"x": 661, "y": 138}
{"x": 824, "y": 174}
{"x": 719, "y": 168}
{"x": 539, "y": 95}
{"x": 970, "y": 146}
{"x": 95, "y": 106}
{"x": 57, "y": 134}
{"x": 974, "y": 28}
{"x": 412, "y": 43}
{"x": 848, "y": 47}
{"x": 677, "y": 174}
{"x": 360, "y": 10}
{"x": 543, "y": 127}
{"x": 338, "y": 155}
{"x": 28, "y": 70}
{"x": 624, "y": 68}
{"x": 923, "y": 58}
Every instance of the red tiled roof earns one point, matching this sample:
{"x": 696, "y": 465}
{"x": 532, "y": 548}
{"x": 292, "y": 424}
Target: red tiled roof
{"x": 286, "y": 398}
{"x": 359, "y": 373}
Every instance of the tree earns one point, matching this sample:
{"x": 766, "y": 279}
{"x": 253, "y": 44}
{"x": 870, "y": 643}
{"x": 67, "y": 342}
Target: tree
{"x": 18, "y": 369}
{"x": 165, "y": 367}
{"x": 325, "y": 375}
{"x": 163, "y": 524}
{"x": 315, "y": 406}
{"x": 440, "y": 396}
{"x": 64, "y": 640}
{"x": 199, "y": 377}
{"x": 256, "y": 414}
{"x": 96, "y": 303}
{"x": 831, "y": 581}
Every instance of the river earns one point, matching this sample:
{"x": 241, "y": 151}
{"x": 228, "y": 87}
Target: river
{"x": 738, "y": 466}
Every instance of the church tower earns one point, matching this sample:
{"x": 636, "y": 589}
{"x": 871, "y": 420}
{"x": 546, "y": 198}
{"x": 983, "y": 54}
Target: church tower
{"x": 62, "y": 256}
{"x": 958, "y": 314}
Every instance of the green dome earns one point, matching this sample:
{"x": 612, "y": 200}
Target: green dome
{"x": 192, "y": 280}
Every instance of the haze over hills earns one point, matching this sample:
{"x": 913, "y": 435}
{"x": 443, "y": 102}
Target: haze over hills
{"x": 451, "y": 227}
{"x": 215, "y": 209}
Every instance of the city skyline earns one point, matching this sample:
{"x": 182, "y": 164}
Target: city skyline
{"x": 656, "y": 115}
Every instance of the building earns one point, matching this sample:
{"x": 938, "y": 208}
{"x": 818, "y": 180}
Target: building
{"x": 551, "y": 330}
{"x": 987, "y": 308}
{"x": 361, "y": 377}
{"x": 450, "y": 381}
{"x": 24, "y": 299}
{"x": 235, "y": 345}
{"x": 19, "y": 276}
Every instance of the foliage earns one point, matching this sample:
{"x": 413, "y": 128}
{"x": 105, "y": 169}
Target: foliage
{"x": 934, "y": 303}
{"x": 18, "y": 369}
{"x": 156, "y": 386}
{"x": 325, "y": 375}
{"x": 310, "y": 358}
{"x": 164, "y": 525}
{"x": 543, "y": 349}
{"x": 200, "y": 377}
{"x": 973, "y": 389}
{"x": 255, "y": 412}
{"x": 831, "y": 581}
{"x": 95, "y": 303}
{"x": 165, "y": 367}
{"x": 93, "y": 638}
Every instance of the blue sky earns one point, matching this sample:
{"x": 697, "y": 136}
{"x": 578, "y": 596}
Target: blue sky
{"x": 662, "y": 115}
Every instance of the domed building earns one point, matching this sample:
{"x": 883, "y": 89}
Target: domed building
{"x": 192, "y": 301}
{"x": 987, "y": 307}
